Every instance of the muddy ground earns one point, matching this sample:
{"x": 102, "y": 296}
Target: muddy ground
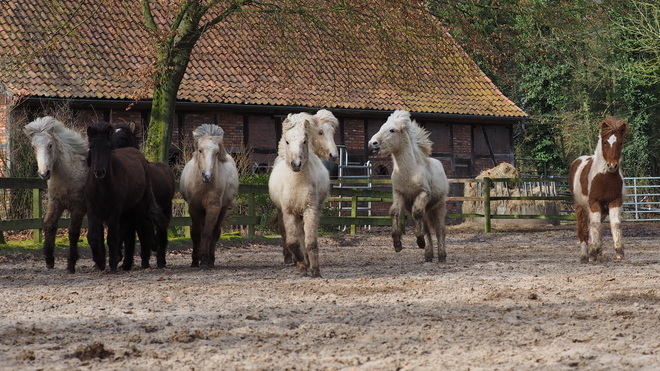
{"x": 507, "y": 300}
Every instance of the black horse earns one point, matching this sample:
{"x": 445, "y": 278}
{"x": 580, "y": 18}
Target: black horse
{"x": 163, "y": 186}
{"x": 118, "y": 192}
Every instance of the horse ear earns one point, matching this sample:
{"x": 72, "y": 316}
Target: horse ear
{"x": 624, "y": 128}
{"x": 287, "y": 124}
{"x": 131, "y": 125}
{"x": 90, "y": 131}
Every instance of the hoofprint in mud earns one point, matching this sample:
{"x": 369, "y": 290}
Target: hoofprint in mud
{"x": 506, "y": 300}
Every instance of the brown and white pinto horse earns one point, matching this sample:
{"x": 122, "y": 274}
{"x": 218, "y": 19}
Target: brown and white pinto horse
{"x": 598, "y": 190}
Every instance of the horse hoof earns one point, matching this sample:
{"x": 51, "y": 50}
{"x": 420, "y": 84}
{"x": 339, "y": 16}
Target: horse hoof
{"x": 71, "y": 270}
{"x": 398, "y": 247}
{"x": 428, "y": 259}
{"x": 145, "y": 265}
{"x": 50, "y": 265}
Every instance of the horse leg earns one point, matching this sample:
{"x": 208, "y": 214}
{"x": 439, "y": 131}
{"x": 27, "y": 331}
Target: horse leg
{"x": 52, "y": 217}
{"x": 294, "y": 234}
{"x": 595, "y": 233}
{"x": 161, "y": 236}
{"x": 114, "y": 236}
{"x": 197, "y": 216}
{"x": 127, "y": 235}
{"x": 74, "y": 234}
{"x": 217, "y": 231}
{"x": 582, "y": 216}
{"x": 421, "y": 225}
{"x": 395, "y": 214}
{"x": 311, "y": 230}
{"x": 207, "y": 242}
{"x": 95, "y": 239}
{"x": 437, "y": 219}
{"x": 288, "y": 257}
{"x": 615, "y": 226}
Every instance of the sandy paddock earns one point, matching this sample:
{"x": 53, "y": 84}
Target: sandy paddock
{"x": 506, "y": 300}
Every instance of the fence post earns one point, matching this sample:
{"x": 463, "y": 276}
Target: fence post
{"x": 354, "y": 200}
{"x": 251, "y": 213}
{"x": 486, "y": 192}
{"x": 36, "y": 213}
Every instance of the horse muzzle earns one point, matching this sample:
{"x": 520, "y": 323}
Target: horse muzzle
{"x": 206, "y": 177}
{"x": 612, "y": 168}
{"x": 45, "y": 176}
{"x": 375, "y": 149}
{"x": 296, "y": 166}
{"x": 99, "y": 174}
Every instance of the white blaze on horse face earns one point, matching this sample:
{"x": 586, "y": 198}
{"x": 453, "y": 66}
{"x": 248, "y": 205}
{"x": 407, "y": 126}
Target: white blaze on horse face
{"x": 612, "y": 140}
{"x": 44, "y": 152}
{"x": 207, "y": 157}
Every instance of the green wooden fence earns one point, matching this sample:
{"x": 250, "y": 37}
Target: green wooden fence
{"x": 380, "y": 193}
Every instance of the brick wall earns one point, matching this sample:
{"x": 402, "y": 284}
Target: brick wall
{"x": 462, "y": 139}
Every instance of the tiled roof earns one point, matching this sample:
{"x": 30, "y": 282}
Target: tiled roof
{"x": 230, "y": 64}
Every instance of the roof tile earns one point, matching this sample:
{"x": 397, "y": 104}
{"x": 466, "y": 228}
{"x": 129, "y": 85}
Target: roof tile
{"x": 230, "y": 65}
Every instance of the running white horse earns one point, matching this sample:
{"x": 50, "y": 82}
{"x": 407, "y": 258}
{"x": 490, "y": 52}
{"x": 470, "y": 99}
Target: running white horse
{"x": 419, "y": 182}
{"x": 209, "y": 183}
{"x": 60, "y": 154}
{"x": 298, "y": 186}
{"x": 321, "y": 132}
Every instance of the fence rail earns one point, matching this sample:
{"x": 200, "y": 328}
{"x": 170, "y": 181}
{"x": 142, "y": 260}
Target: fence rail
{"x": 639, "y": 204}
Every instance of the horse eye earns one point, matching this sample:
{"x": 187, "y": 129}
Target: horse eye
{"x": 320, "y": 133}
{"x": 50, "y": 146}
{"x": 305, "y": 142}
{"x": 200, "y": 151}
{"x": 391, "y": 130}
{"x": 287, "y": 142}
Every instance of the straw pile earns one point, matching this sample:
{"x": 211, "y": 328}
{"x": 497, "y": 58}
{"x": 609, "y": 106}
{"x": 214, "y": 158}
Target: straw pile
{"x": 511, "y": 207}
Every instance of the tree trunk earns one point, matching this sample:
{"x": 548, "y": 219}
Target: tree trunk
{"x": 166, "y": 86}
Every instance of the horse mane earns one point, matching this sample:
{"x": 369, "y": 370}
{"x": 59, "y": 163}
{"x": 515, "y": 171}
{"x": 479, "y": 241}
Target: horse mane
{"x": 326, "y": 117}
{"x": 611, "y": 125}
{"x": 216, "y": 134}
{"x": 418, "y": 134}
{"x": 69, "y": 137}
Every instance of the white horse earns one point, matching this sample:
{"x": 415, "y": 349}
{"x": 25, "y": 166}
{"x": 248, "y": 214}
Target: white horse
{"x": 321, "y": 131}
{"x": 60, "y": 154}
{"x": 419, "y": 183}
{"x": 209, "y": 183}
{"x": 298, "y": 186}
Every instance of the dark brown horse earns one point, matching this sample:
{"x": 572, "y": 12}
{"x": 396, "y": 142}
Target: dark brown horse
{"x": 163, "y": 186}
{"x": 118, "y": 192}
{"x": 598, "y": 190}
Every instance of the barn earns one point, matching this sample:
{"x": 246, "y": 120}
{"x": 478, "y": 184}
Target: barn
{"x": 237, "y": 80}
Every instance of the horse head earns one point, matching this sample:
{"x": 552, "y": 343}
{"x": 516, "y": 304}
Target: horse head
{"x": 210, "y": 149}
{"x": 388, "y": 138}
{"x": 323, "y": 135}
{"x": 100, "y": 146}
{"x": 124, "y": 136}
{"x": 612, "y": 131}
{"x": 293, "y": 146}
{"x": 44, "y": 143}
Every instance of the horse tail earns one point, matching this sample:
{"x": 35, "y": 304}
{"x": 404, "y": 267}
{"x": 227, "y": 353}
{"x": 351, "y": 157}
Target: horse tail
{"x": 276, "y": 221}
